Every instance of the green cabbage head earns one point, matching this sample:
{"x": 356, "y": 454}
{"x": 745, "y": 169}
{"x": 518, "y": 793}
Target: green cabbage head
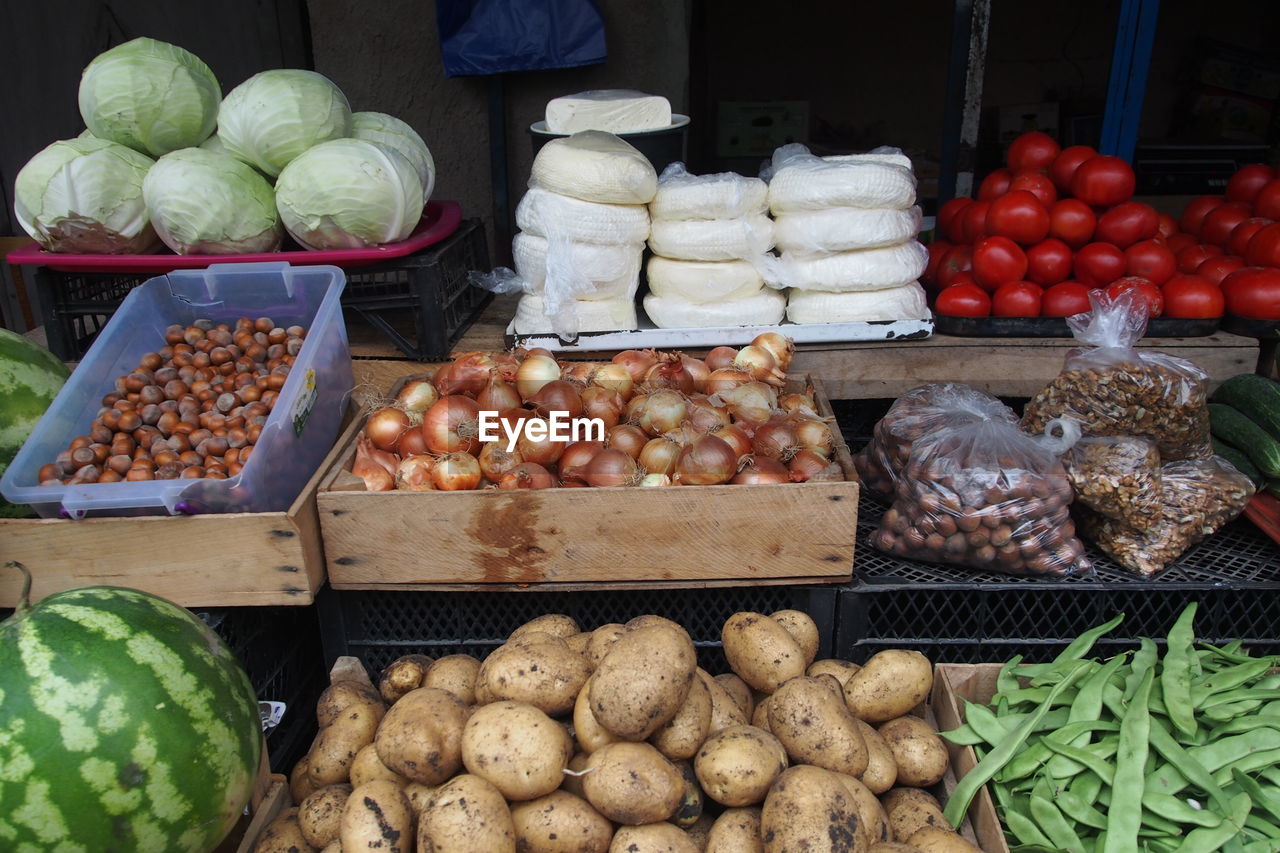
{"x": 205, "y": 202}
{"x": 276, "y": 115}
{"x": 390, "y": 131}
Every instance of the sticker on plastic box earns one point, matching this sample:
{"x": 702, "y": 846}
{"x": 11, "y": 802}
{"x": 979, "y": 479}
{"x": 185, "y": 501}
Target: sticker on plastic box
{"x": 270, "y": 713}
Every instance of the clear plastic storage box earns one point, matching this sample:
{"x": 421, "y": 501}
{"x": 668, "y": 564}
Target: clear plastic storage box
{"x": 299, "y": 432}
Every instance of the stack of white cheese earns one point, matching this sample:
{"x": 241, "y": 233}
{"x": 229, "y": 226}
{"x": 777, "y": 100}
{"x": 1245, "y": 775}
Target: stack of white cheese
{"x": 846, "y": 229}
{"x": 583, "y": 225}
{"x": 706, "y": 234}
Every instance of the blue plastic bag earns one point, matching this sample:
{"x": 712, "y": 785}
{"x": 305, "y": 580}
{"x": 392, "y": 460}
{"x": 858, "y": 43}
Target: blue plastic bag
{"x": 495, "y": 36}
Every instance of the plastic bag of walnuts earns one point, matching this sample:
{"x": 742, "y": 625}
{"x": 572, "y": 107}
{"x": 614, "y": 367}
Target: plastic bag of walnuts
{"x": 986, "y": 495}
{"x": 1116, "y": 476}
{"x": 918, "y": 413}
{"x": 1111, "y": 388}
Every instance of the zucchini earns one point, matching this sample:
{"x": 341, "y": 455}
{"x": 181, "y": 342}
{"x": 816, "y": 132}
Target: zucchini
{"x": 1256, "y": 397}
{"x": 1234, "y": 428}
{"x": 1240, "y": 460}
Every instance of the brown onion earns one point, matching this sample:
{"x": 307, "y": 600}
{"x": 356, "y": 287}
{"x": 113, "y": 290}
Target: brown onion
{"x": 495, "y": 460}
{"x": 697, "y": 368}
{"x": 707, "y": 461}
{"x": 662, "y": 411}
{"x": 539, "y": 351}
{"x": 806, "y": 465}
{"x": 760, "y": 364}
{"x": 801, "y": 403}
{"x": 497, "y": 394}
{"x": 506, "y": 363}
{"x": 615, "y": 377}
{"x": 775, "y": 439}
{"x": 384, "y": 427}
{"x": 720, "y": 358}
{"x": 413, "y": 474}
{"x": 651, "y": 480}
{"x": 466, "y": 374}
{"x": 456, "y": 472}
{"x": 779, "y": 346}
{"x": 543, "y": 450}
{"x": 509, "y": 421}
{"x": 417, "y": 395}
{"x": 576, "y": 457}
{"x": 376, "y": 477}
{"x": 637, "y": 362}
{"x": 527, "y": 475}
{"x": 604, "y": 404}
{"x": 705, "y": 416}
{"x": 452, "y": 425}
{"x": 578, "y": 372}
{"x": 628, "y": 438}
{"x": 556, "y": 396}
{"x": 736, "y": 437}
{"x": 754, "y": 401}
{"x": 534, "y": 372}
{"x": 659, "y": 456}
{"x": 726, "y": 379}
{"x": 813, "y": 434}
{"x": 412, "y": 443}
{"x": 669, "y": 372}
{"x": 761, "y": 471}
{"x": 612, "y": 467}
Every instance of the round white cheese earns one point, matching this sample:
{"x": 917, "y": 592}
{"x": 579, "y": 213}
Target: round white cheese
{"x": 726, "y": 195}
{"x": 863, "y": 269}
{"x": 812, "y": 183}
{"x": 602, "y": 316}
{"x": 589, "y": 271}
{"x": 711, "y": 239}
{"x": 595, "y": 166}
{"x": 546, "y": 214}
{"x": 907, "y": 302}
{"x": 702, "y": 281}
{"x": 671, "y": 312}
{"x": 842, "y": 229}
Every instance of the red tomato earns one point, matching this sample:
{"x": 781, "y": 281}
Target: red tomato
{"x": 1147, "y": 291}
{"x": 1048, "y": 262}
{"x": 937, "y": 249}
{"x": 1267, "y": 202}
{"x": 997, "y": 260}
{"x": 1033, "y": 150}
{"x": 1126, "y": 224}
{"x": 1221, "y": 221}
{"x": 1037, "y": 183}
{"x": 1099, "y": 264}
{"x": 1192, "y": 297}
{"x": 1246, "y": 182}
{"x": 973, "y": 226}
{"x": 994, "y": 185}
{"x": 1065, "y": 164}
{"x": 964, "y": 300}
{"x": 1264, "y": 247}
{"x": 1166, "y": 225}
{"x": 1238, "y": 242}
{"x": 1064, "y": 299}
{"x": 1072, "y": 221}
{"x": 957, "y": 259}
{"x": 963, "y": 277}
{"x": 1020, "y": 216}
{"x": 1103, "y": 181}
{"x": 1017, "y": 299}
{"x": 950, "y": 217}
{"x": 1179, "y": 241}
{"x": 1193, "y": 256}
{"x": 1253, "y": 292}
{"x": 1196, "y": 210}
{"x": 1151, "y": 261}
{"x": 1217, "y": 268}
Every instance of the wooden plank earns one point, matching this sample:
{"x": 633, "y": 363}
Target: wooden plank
{"x": 975, "y": 682}
{"x": 276, "y": 801}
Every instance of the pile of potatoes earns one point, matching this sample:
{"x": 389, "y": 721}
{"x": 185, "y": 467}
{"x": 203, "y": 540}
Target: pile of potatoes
{"x": 565, "y": 741}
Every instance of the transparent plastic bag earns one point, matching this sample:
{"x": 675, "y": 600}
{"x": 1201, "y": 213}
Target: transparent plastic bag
{"x": 988, "y": 496}
{"x": 1111, "y": 388}
{"x": 724, "y": 195}
{"x": 800, "y": 180}
{"x": 1197, "y": 497}
{"x": 916, "y": 414}
{"x": 1117, "y": 476}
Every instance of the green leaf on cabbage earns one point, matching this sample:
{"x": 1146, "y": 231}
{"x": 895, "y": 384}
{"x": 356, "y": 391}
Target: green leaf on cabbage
{"x": 390, "y": 131}
{"x": 274, "y": 116}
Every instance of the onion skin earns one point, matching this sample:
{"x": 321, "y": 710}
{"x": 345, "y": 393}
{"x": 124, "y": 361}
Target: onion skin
{"x": 414, "y": 473}
{"x": 628, "y": 438}
{"x": 720, "y": 358}
{"x": 697, "y": 368}
{"x": 659, "y": 456}
{"x": 452, "y": 425}
{"x": 762, "y": 471}
{"x": 385, "y": 426}
{"x": 779, "y": 346}
{"x": 736, "y": 437}
{"x": 576, "y": 457}
{"x": 612, "y": 467}
{"x": 603, "y": 403}
{"x": 534, "y": 372}
{"x": 528, "y": 475}
{"x": 495, "y": 460}
{"x": 498, "y": 394}
{"x": 806, "y": 465}
{"x": 557, "y": 396}
{"x": 707, "y": 461}
{"x": 417, "y": 395}
{"x": 726, "y": 379}
{"x": 614, "y": 377}
{"x": 467, "y": 374}
{"x": 456, "y": 472}
{"x": 637, "y": 362}
{"x": 669, "y": 372}
{"x": 376, "y": 477}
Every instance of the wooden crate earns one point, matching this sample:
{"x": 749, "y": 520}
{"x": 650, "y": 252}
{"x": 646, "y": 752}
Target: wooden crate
{"x": 585, "y": 538}
{"x": 214, "y": 560}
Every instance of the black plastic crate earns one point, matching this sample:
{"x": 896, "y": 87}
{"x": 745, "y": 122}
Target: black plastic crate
{"x": 379, "y": 626}
{"x": 422, "y": 302}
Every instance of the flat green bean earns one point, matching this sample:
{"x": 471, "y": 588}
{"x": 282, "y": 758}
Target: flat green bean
{"x": 1086, "y": 706}
{"x": 1034, "y": 755}
{"x": 1176, "y": 673}
{"x": 1206, "y": 840}
{"x": 1227, "y": 679}
{"x": 985, "y": 723}
{"x": 1145, "y": 658}
{"x": 1075, "y": 650}
{"x": 1267, "y": 798}
{"x": 962, "y": 736}
{"x": 1178, "y": 810}
{"x": 1248, "y": 764}
{"x": 1054, "y": 825}
{"x": 1086, "y": 786}
{"x": 1241, "y": 694}
{"x": 1263, "y": 846}
{"x": 1123, "y": 819}
{"x": 1098, "y": 765}
{"x": 1080, "y": 811}
{"x": 1260, "y": 825}
{"x": 1007, "y": 680}
{"x": 1187, "y": 767}
{"x": 1245, "y": 724}
{"x": 1025, "y": 829}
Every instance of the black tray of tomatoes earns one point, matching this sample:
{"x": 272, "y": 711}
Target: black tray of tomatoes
{"x": 1247, "y": 326}
{"x": 1056, "y": 327}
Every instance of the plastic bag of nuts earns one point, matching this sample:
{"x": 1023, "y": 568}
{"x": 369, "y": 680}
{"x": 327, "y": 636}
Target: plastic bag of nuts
{"x": 1197, "y": 497}
{"x": 917, "y": 413}
{"x": 1113, "y": 389}
{"x": 1116, "y": 476}
{"x": 985, "y": 494}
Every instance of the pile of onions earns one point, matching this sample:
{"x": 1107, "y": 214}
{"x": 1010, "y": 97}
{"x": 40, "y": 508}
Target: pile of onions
{"x": 668, "y": 419}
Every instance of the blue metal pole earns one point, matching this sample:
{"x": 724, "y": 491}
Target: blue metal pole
{"x": 1130, "y": 59}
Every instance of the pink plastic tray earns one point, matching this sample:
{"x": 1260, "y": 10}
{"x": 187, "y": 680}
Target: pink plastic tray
{"x": 439, "y": 220}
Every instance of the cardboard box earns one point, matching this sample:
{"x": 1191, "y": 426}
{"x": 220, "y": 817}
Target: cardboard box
{"x": 756, "y": 128}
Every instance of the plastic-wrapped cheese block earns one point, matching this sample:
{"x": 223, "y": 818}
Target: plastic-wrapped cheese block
{"x": 613, "y": 110}
{"x": 726, "y": 195}
{"x": 864, "y": 269}
{"x": 842, "y": 229}
{"x": 907, "y": 302}
{"x": 595, "y": 166}
{"x": 892, "y": 156}
{"x": 603, "y": 316}
{"x": 711, "y": 239}
{"x": 595, "y": 271}
{"x": 546, "y": 214}
{"x": 814, "y": 183}
{"x": 671, "y": 312}
{"x": 702, "y": 281}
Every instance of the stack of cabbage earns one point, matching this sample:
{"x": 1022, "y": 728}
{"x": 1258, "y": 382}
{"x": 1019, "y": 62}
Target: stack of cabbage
{"x": 706, "y": 232}
{"x": 148, "y": 169}
{"x": 846, "y": 228}
{"x": 583, "y": 224}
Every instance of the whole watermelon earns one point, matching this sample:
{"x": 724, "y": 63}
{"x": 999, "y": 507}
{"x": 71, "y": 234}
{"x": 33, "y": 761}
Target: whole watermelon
{"x": 126, "y": 725}
{"x": 30, "y": 377}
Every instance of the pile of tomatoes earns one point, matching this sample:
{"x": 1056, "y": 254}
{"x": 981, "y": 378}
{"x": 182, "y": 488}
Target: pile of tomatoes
{"x": 1057, "y": 223}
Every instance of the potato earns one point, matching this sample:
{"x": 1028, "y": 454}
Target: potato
{"x": 320, "y": 815}
{"x": 736, "y": 831}
{"x": 739, "y": 690}
{"x": 875, "y": 822}
{"x": 466, "y": 814}
{"x": 890, "y": 684}
{"x": 560, "y": 823}
{"x": 761, "y": 651}
{"x": 335, "y": 748}
{"x": 919, "y": 752}
{"x": 652, "y": 838}
{"x": 803, "y": 630}
{"x": 282, "y": 835}
{"x": 418, "y": 795}
{"x": 455, "y": 673}
{"x": 725, "y": 710}
{"x": 402, "y": 675}
{"x": 681, "y": 736}
{"x": 574, "y": 772}
{"x": 555, "y": 624}
{"x": 536, "y": 668}
{"x": 601, "y": 639}
{"x": 815, "y": 727}
{"x": 832, "y": 683}
{"x": 643, "y": 680}
{"x": 892, "y": 847}
{"x": 736, "y": 766}
{"x": 700, "y": 831}
{"x": 337, "y": 696}
{"x": 334, "y": 846}
{"x": 377, "y": 816}
{"x": 632, "y": 783}
{"x": 760, "y": 716}
{"x": 882, "y": 769}
{"x": 300, "y": 786}
{"x": 911, "y": 808}
{"x": 578, "y": 642}
{"x": 516, "y": 748}
{"x": 841, "y": 669}
{"x": 931, "y": 839}
{"x": 367, "y": 766}
{"x": 586, "y": 728}
{"x": 809, "y": 809}
{"x": 652, "y": 619}
{"x": 690, "y": 808}
{"x": 421, "y": 738}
